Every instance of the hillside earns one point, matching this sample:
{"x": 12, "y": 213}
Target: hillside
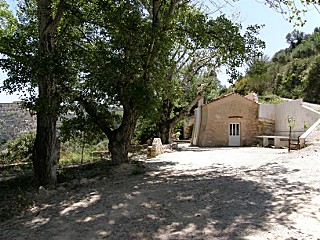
{"x": 14, "y": 120}
{"x": 291, "y": 73}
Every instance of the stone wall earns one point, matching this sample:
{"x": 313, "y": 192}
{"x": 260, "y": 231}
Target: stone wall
{"x": 14, "y": 121}
{"x": 266, "y": 127}
{"x": 217, "y": 115}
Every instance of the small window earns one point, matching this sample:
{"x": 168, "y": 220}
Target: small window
{"x": 234, "y": 129}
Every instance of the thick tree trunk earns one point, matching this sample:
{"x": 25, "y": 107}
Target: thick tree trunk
{"x": 118, "y": 147}
{"x": 46, "y": 150}
{"x": 120, "y": 139}
{"x": 47, "y": 147}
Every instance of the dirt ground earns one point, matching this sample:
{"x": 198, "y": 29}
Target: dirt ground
{"x": 194, "y": 193}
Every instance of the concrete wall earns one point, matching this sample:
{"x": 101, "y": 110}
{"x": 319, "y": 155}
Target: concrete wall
{"x": 302, "y": 116}
{"x": 217, "y": 115}
{"x": 267, "y": 111}
{"x": 279, "y": 113}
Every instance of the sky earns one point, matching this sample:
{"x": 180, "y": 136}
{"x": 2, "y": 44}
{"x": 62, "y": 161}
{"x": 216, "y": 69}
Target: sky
{"x": 251, "y": 12}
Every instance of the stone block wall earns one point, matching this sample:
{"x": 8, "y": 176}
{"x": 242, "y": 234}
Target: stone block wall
{"x": 266, "y": 127}
{"x": 217, "y": 115}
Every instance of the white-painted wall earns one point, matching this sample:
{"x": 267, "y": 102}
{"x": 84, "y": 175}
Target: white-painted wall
{"x": 304, "y": 117}
{"x": 267, "y": 111}
{"x": 196, "y": 128}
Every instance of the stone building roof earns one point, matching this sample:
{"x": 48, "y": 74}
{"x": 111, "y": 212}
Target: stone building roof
{"x": 228, "y": 95}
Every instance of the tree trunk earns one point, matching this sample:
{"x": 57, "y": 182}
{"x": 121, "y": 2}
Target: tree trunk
{"x": 46, "y": 150}
{"x": 164, "y": 132}
{"x": 47, "y": 146}
{"x": 167, "y": 122}
{"x": 118, "y": 147}
{"x": 120, "y": 139}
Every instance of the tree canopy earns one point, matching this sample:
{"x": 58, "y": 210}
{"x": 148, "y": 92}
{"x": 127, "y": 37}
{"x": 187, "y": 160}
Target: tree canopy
{"x": 291, "y": 73}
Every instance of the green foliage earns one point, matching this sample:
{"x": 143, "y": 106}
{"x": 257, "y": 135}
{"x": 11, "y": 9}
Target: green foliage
{"x": 258, "y": 79}
{"x": 311, "y": 81}
{"x": 293, "y": 10}
{"x": 281, "y": 57}
{"x": 75, "y": 152}
{"x": 274, "y": 99}
{"x": 145, "y": 130}
{"x": 80, "y": 128}
{"x": 18, "y": 150}
{"x": 292, "y": 73}
{"x": 295, "y": 38}
{"x": 304, "y": 50}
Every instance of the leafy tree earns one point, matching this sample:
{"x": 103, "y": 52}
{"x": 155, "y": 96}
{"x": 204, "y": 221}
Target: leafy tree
{"x": 289, "y": 74}
{"x": 281, "y": 57}
{"x": 97, "y": 54}
{"x": 32, "y": 50}
{"x": 311, "y": 81}
{"x": 303, "y": 50}
{"x": 199, "y": 51}
{"x": 295, "y": 38}
{"x": 315, "y": 40}
{"x": 293, "y": 10}
{"x": 258, "y": 79}
{"x": 19, "y": 149}
{"x": 122, "y": 65}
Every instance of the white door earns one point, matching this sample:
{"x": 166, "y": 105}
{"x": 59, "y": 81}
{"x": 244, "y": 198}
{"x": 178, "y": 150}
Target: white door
{"x": 234, "y": 134}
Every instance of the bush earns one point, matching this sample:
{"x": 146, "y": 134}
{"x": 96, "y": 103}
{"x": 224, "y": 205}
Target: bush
{"x": 19, "y": 149}
{"x": 144, "y": 130}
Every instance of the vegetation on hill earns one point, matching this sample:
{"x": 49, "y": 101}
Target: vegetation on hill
{"x": 293, "y": 72}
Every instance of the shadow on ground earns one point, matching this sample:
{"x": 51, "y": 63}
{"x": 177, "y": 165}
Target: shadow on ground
{"x": 209, "y": 203}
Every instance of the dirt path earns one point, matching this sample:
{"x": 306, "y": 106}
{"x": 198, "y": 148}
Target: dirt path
{"x": 225, "y": 193}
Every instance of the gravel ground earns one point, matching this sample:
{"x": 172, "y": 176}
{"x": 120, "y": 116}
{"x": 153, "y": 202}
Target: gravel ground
{"x": 195, "y": 193}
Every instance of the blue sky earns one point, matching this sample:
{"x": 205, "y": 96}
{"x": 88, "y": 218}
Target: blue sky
{"x": 251, "y": 12}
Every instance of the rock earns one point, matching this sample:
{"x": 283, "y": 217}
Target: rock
{"x": 42, "y": 191}
{"x": 61, "y": 189}
{"x": 156, "y": 148}
{"x": 84, "y": 181}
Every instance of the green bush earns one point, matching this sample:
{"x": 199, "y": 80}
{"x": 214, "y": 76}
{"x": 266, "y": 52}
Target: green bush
{"x": 19, "y": 149}
{"x": 144, "y": 130}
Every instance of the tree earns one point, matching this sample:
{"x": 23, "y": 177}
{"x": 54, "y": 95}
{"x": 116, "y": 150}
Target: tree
{"x": 123, "y": 62}
{"x": 97, "y": 53}
{"x": 311, "y": 81}
{"x": 295, "y": 38}
{"x": 199, "y": 52}
{"x": 293, "y": 10}
{"x": 30, "y": 51}
{"x": 260, "y": 77}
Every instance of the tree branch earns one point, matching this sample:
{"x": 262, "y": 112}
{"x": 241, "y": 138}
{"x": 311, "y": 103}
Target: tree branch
{"x": 185, "y": 112}
{"x": 91, "y": 110}
{"x": 56, "y": 21}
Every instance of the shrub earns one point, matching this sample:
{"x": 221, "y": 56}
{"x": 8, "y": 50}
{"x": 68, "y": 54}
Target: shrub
{"x": 19, "y": 149}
